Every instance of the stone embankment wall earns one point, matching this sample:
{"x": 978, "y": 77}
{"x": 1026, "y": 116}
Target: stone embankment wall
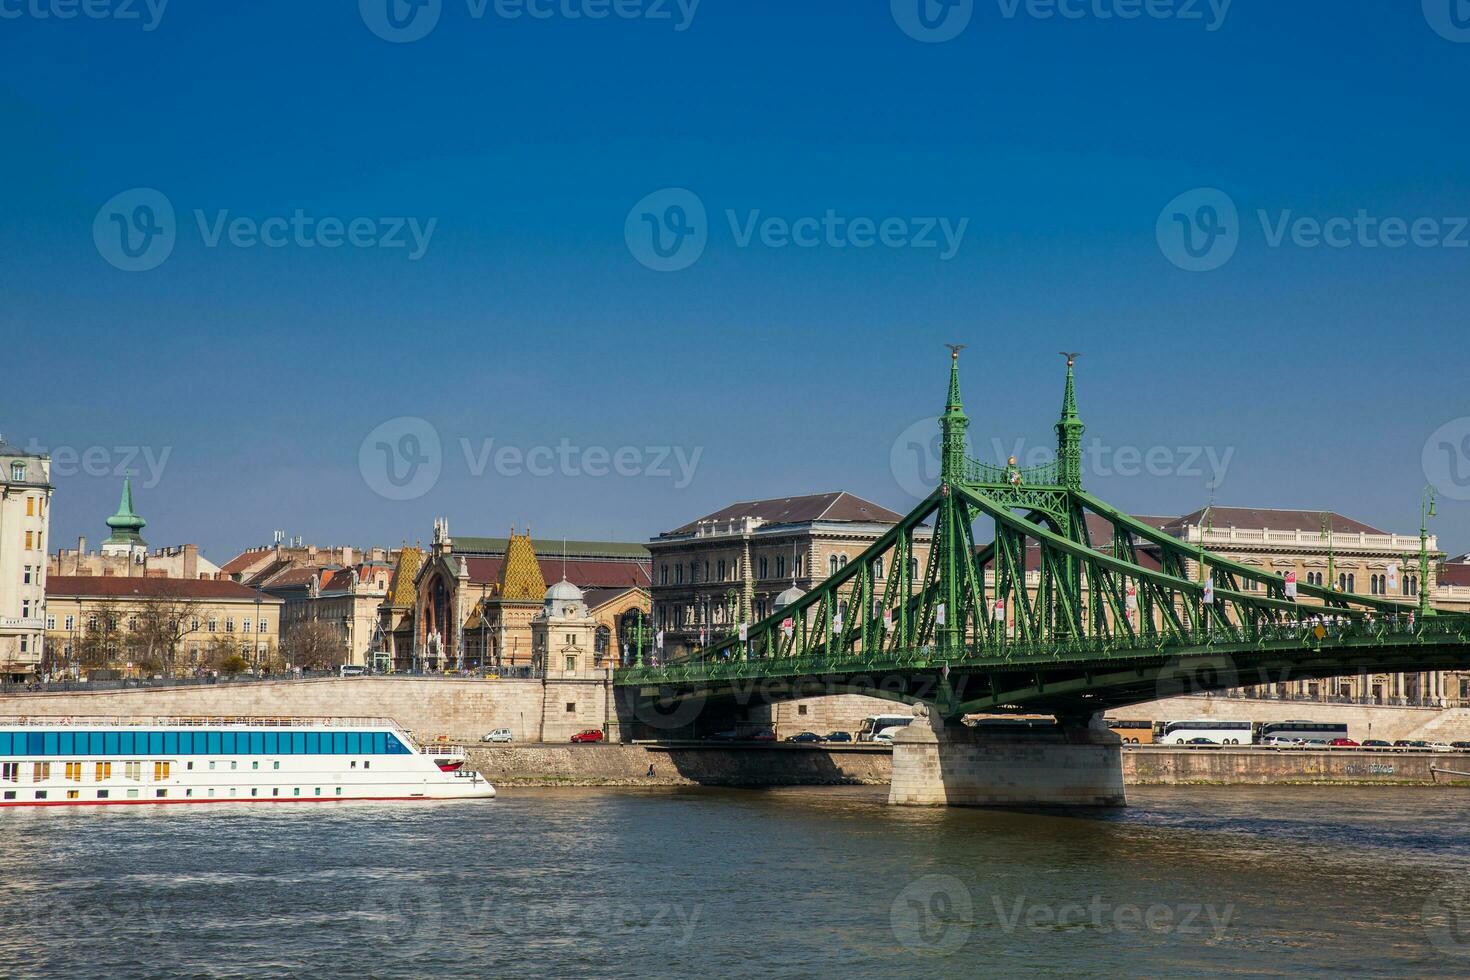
{"x": 673, "y": 765}
{"x": 459, "y": 710}
{"x": 1144, "y": 766}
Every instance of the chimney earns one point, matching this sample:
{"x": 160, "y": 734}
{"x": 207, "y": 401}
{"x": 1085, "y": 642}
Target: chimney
{"x": 191, "y": 562}
{"x": 347, "y": 554}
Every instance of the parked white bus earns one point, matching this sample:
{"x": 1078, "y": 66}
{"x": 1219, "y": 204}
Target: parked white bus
{"x": 1217, "y": 731}
{"x": 882, "y": 725}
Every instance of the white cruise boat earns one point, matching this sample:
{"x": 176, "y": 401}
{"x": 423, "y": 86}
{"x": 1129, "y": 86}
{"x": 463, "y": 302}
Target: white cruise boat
{"x": 97, "y": 761}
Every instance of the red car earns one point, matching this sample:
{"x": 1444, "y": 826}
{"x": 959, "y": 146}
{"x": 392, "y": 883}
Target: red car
{"x": 1346, "y": 742}
{"x": 590, "y": 735}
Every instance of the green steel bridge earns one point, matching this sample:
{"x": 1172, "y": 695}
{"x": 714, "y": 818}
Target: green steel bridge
{"x": 1042, "y": 619}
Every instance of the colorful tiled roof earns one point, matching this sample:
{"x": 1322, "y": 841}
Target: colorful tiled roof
{"x": 402, "y": 590}
{"x": 520, "y": 575}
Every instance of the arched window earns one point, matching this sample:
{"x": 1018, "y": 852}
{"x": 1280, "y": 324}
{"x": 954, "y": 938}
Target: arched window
{"x": 832, "y": 565}
{"x": 780, "y": 566}
{"x": 843, "y": 562}
{"x": 765, "y": 567}
{"x": 1352, "y": 585}
{"x": 878, "y": 568}
{"x": 796, "y": 570}
{"x": 913, "y": 568}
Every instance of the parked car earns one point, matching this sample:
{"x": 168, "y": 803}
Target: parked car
{"x": 883, "y": 738}
{"x": 1343, "y": 743}
{"x": 1201, "y": 741}
{"x": 1283, "y": 741}
{"x": 838, "y": 737}
{"x": 1375, "y": 743}
{"x": 1441, "y": 746}
{"x": 804, "y": 737}
{"x": 1315, "y": 743}
{"x": 1410, "y": 743}
{"x": 729, "y": 736}
{"x": 499, "y": 735}
{"x": 589, "y": 735}
{"x": 762, "y": 735}
{"x": 1460, "y": 745}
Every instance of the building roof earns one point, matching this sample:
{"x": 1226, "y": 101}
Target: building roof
{"x": 837, "y": 506}
{"x": 598, "y": 597}
{"x": 585, "y": 574}
{"x": 520, "y": 573}
{"x": 496, "y": 547}
{"x": 1271, "y": 519}
{"x": 402, "y": 590}
{"x": 6, "y": 449}
{"x": 125, "y": 587}
{"x": 246, "y": 560}
{"x": 1454, "y": 574}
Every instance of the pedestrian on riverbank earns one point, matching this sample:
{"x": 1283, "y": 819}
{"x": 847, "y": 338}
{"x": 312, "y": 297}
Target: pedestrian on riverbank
{"x": 650, "y": 770}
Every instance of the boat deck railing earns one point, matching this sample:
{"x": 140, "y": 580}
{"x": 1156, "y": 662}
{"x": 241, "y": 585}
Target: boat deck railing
{"x": 198, "y": 721}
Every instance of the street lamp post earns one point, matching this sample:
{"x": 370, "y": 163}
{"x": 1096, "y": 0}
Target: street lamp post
{"x": 1426, "y": 511}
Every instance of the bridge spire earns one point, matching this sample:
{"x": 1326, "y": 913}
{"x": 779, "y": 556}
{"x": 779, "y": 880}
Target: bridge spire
{"x": 953, "y": 423}
{"x": 1069, "y": 433}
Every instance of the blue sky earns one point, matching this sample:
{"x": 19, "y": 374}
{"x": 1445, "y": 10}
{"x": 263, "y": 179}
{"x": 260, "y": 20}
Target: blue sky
{"x": 1300, "y": 375}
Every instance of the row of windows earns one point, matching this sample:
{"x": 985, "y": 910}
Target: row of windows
{"x": 158, "y": 794}
{"x": 70, "y": 622}
{"x": 201, "y": 743}
{"x": 102, "y": 771}
{"x": 723, "y": 573}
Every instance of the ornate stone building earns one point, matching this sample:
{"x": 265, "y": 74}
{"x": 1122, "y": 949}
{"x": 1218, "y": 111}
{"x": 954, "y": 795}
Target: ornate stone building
{"x": 732, "y": 566}
{"x": 474, "y": 600}
{"x": 25, "y": 519}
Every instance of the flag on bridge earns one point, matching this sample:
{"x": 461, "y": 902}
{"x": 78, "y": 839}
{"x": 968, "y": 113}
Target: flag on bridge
{"x": 1209, "y": 591}
{"x": 1130, "y": 602}
{"x": 1291, "y": 585}
{"x": 1393, "y": 578}
{"x": 788, "y": 626}
{"x": 659, "y": 639}
{"x": 744, "y": 633}
{"x": 1000, "y": 610}
{"x": 888, "y": 620}
{"x": 837, "y": 625}
{"x": 939, "y": 614}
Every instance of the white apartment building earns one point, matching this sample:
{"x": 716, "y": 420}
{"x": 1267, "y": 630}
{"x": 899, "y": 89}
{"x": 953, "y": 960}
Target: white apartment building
{"x": 25, "y": 508}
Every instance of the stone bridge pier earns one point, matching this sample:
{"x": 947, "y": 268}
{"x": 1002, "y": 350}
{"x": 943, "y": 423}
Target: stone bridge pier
{"x": 1075, "y": 762}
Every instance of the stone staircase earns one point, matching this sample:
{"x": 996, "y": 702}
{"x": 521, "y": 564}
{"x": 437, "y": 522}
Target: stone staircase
{"x": 1449, "y": 725}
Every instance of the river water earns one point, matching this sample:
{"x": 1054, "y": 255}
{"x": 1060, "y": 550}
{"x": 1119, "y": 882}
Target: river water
{"x": 788, "y": 882}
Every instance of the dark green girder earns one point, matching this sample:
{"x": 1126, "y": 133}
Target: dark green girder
{"x": 1042, "y": 619}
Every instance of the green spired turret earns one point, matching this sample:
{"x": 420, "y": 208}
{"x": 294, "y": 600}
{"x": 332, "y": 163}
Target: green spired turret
{"x": 953, "y": 423}
{"x": 126, "y": 525}
{"x": 1069, "y": 434}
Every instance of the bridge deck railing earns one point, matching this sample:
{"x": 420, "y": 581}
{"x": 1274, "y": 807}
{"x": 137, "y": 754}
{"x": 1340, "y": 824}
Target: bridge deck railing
{"x": 1306, "y": 635}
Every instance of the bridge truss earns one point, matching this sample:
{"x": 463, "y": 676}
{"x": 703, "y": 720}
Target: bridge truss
{"x": 1073, "y": 606}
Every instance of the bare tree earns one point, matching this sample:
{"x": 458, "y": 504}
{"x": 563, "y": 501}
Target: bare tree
{"x": 313, "y": 645}
{"x": 101, "y": 640}
{"x": 157, "y": 625}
